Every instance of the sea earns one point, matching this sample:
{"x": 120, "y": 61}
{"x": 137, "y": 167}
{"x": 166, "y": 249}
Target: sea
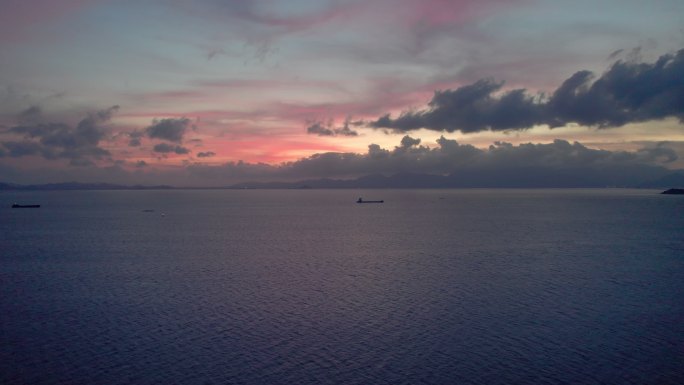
{"x": 472, "y": 286}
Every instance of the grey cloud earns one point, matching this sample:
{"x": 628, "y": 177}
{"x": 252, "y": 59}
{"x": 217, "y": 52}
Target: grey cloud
{"x": 135, "y": 138}
{"x": 104, "y": 115}
{"x": 377, "y": 152}
{"x": 165, "y": 148}
{"x": 23, "y": 148}
{"x": 206, "y": 154}
{"x": 31, "y": 115}
{"x": 213, "y": 53}
{"x": 559, "y": 163}
{"x": 321, "y": 129}
{"x": 628, "y": 92}
{"x": 408, "y": 142}
{"x": 449, "y": 163}
{"x": 140, "y": 164}
{"x": 81, "y": 162}
{"x": 41, "y": 130}
{"x": 470, "y": 108}
{"x": 658, "y": 153}
{"x": 615, "y": 54}
{"x": 60, "y": 140}
{"x": 318, "y": 129}
{"x": 168, "y": 129}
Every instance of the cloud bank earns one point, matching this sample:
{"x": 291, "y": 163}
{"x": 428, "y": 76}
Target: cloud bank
{"x": 560, "y": 163}
{"x": 79, "y": 144}
{"x": 628, "y": 92}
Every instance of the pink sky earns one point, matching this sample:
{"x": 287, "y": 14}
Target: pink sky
{"x": 272, "y": 82}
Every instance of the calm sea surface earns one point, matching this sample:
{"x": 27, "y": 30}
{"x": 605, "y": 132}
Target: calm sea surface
{"x": 307, "y": 287}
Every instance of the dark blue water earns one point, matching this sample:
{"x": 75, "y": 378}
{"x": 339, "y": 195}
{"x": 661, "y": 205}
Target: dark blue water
{"x": 307, "y": 287}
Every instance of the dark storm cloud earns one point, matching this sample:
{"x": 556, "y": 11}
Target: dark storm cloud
{"x": 628, "y": 92}
{"x": 321, "y": 129}
{"x": 168, "y": 129}
{"x": 165, "y": 148}
{"x": 59, "y": 140}
{"x": 470, "y": 108}
{"x": 206, "y": 154}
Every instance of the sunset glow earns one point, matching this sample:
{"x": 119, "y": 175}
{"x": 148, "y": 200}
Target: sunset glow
{"x": 147, "y": 92}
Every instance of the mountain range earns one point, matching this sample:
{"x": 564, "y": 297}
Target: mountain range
{"x": 512, "y": 178}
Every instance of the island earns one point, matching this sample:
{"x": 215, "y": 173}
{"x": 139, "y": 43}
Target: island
{"x": 674, "y": 191}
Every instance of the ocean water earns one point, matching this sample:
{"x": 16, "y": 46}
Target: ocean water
{"x": 307, "y": 287}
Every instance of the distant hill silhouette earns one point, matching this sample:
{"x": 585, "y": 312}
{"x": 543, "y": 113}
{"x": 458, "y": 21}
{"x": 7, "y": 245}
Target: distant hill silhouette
{"x": 675, "y": 179}
{"x": 514, "y": 177}
{"x": 78, "y": 186}
{"x": 521, "y": 177}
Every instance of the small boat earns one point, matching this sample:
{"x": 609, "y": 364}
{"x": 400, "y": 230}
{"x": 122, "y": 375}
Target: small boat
{"x": 18, "y": 206}
{"x": 362, "y": 201}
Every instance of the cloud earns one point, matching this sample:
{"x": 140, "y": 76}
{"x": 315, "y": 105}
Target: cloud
{"x": 59, "y": 140}
{"x": 31, "y": 115}
{"x": 408, "y": 142}
{"x": 560, "y": 163}
{"x": 450, "y": 156}
{"x": 628, "y": 92}
{"x": 135, "y": 137}
{"x": 215, "y": 52}
{"x": 206, "y": 154}
{"x": 140, "y": 164}
{"x": 321, "y": 129}
{"x": 25, "y": 148}
{"x": 165, "y": 148}
{"x": 658, "y": 153}
{"x": 317, "y": 128}
{"x": 453, "y": 164}
{"x": 168, "y": 129}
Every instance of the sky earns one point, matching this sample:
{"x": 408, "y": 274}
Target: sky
{"x": 216, "y": 92}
